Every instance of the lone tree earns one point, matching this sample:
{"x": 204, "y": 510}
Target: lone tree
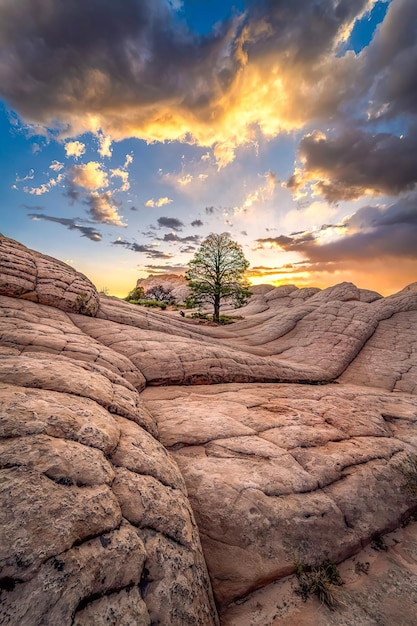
{"x": 216, "y": 273}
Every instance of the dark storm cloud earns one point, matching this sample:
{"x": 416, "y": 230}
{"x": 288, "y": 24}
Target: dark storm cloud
{"x": 173, "y": 238}
{"x": 71, "y": 57}
{"x": 357, "y": 162}
{"x": 392, "y": 61}
{"x": 170, "y": 222}
{"x": 197, "y": 223}
{"x": 371, "y": 233}
{"x": 303, "y": 29}
{"x": 150, "y": 253}
{"x": 71, "y": 223}
{"x": 131, "y": 67}
{"x": 277, "y": 242}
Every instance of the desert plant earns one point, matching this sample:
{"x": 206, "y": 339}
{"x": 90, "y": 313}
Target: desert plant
{"x": 160, "y": 293}
{"x": 322, "y": 581}
{"x": 199, "y": 316}
{"x": 153, "y": 304}
{"x": 136, "y": 294}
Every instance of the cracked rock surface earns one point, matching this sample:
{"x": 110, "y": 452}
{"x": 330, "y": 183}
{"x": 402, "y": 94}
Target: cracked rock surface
{"x": 131, "y": 485}
{"x": 279, "y": 474}
{"x": 96, "y": 526}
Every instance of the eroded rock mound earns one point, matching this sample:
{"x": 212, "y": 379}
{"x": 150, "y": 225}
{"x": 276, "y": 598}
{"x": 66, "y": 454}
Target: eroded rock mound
{"x": 96, "y": 526}
{"x": 33, "y": 276}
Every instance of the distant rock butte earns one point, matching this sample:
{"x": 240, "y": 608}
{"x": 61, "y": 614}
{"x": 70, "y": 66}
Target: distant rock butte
{"x": 127, "y": 494}
{"x": 174, "y": 282}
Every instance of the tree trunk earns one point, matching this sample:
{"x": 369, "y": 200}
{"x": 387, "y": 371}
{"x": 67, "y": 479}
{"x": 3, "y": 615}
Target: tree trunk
{"x": 216, "y": 312}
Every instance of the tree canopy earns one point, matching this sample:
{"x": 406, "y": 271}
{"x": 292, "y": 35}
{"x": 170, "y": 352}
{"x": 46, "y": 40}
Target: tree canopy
{"x": 217, "y": 273}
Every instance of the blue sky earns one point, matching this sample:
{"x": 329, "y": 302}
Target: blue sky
{"x": 131, "y": 130}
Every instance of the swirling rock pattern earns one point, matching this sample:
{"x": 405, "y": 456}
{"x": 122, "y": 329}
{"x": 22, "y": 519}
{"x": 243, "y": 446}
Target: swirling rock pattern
{"x": 111, "y": 470}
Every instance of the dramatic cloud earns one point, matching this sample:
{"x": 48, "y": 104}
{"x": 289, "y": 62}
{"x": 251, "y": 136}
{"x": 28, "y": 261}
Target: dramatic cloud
{"x": 391, "y": 61}
{"x": 89, "y": 176}
{"x": 75, "y": 149}
{"x": 133, "y": 69}
{"x": 149, "y": 252}
{"x": 158, "y": 203}
{"x": 104, "y": 209}
{"x": 71, "y": 223}
{"x": 170, "y": 222}
{"x": 197, "y": 223}
{"x": 356, "y": 163}
{"x": 371, "y": 233}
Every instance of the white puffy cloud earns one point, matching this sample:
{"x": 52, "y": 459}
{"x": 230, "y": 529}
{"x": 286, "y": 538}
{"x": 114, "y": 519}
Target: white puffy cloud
{"x": 75, "y": 149}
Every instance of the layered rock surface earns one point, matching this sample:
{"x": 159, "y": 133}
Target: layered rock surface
{"x": 279, "y": 474}
{"x": 104, "y": 472}
{"x": 96, "y": 526}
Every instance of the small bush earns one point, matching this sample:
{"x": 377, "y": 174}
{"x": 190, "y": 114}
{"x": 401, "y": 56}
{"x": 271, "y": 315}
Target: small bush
{"x": 154, "y": 304}
{"x": 199, "y": 316}
{"x": 160, "y": 294}
{"x": 229, "y": 319}
{"x": 321, "y": 581}
{"x": 136, "y": 294}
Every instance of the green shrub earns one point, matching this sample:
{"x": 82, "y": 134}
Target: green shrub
{"x": 136, "y": 294}
{"x": 200, "y": 316}
{"x": 154, "y": 304}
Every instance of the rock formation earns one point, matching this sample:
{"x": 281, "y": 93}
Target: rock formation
{"x": 96, "y": 523}
{"x": 114, "y": 465}
{"x": 174, "y": 282}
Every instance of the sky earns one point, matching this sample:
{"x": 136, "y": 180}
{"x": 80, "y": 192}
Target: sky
{"x": 131, "y": 130}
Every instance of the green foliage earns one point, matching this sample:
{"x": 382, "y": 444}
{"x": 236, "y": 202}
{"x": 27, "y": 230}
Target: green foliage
{"x": 136, "y": 294}
{"x": 199, "y": 316}
{"x": 155, "y": 304}
{"x": 216, "y": 273}
{"x": 229, "y": 319}
{"x": 190, "y": 302}
{"x": 321, "y": 581}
